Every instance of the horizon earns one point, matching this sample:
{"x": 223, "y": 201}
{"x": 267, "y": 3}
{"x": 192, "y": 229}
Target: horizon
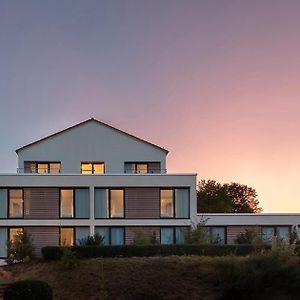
{"x": 215, "y": 83}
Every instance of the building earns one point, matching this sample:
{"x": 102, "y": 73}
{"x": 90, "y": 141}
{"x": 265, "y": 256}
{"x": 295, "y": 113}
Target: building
{"x": 93, "y": 178}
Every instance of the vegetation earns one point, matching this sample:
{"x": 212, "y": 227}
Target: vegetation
{"x": 214, "y": 197}
{"x": 94, "y": 240}
{"x": 28, "y": 290}
{"x": 198, "y": 234}
{"x": 20, "y": 248}
{"x": 54, "y": 253}
{"x": 68, "y": 258}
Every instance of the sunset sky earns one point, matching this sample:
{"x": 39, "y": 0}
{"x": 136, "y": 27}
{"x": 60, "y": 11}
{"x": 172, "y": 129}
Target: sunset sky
{"x": 217, "y": 83}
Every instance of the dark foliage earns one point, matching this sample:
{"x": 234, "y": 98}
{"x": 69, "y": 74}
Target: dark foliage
{"x": 50, "y": 253}
{"x": 214, "y": 197}
{"x": 28, "y": 290}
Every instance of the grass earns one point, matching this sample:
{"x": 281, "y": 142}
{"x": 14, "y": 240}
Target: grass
{"x": 275, "y": 275}
{"x": 154, "y": 278}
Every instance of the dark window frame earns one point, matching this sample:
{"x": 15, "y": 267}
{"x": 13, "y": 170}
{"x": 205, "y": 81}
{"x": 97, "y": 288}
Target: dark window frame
{"x": 8, "y": 204}
{"x": 174, "y": 202}
{"x": 109, "y": 203}
{"x": 36, "y": 163}
{"x": 174, "y": 233}
{"x": 93, "y": 163}
{"x": 141, "y": 163}
{"x": 74, "y": 203}
{"x": 109, "y": 232}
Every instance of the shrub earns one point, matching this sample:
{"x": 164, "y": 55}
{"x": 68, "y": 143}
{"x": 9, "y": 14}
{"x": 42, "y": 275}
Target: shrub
{"x": 94, "y": 240}
{"x": 20, "y": 247}
{"x": 28, "y": 290}
{"x": 198, "y": 234}
{"x": 149, "y": 250}
{"x": 68, "y": 258}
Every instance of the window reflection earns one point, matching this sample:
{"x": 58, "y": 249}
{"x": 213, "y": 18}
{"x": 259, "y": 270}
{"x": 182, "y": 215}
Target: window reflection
{"x": 67, "y": 236}
{"x": 117, "y": 204}
{"x": 15, "y": 203}
{"x": 167, "y": 203}
{"x": 66, "y": 200}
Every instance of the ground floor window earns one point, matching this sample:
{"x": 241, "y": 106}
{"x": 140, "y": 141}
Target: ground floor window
{"x": 217, "y": 235}
{"x": 281, "y": 233}
{"x": 112, "y": 235}
{"x": 3, "y": 241}
{"x": 67, "y": 236}
{"x": 173, "y": 235}
{"x": 14, "y": 232}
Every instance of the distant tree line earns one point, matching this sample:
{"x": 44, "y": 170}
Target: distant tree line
{"x": 214, "y": 197}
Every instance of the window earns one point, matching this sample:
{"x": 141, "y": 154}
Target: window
{"x": 180, "y": 234}
{"x": 142, "y": 167}
{"x": 75, "y": 203}
{"x": 167, "y": 203}
{"x": 3, "y": 241}
{"x": 66, "y": 204}
{"x": 81, "y": 233}
{"x": 42, "y": 167}
{"x": 101, "y": 203}
{"x": 67, "y": 236}
{"x": 92, "y": 168}
{"x": 112, "y": 235}
{"x": 167, "y": 235}
{"x": 217, "y": 235}
{"x": 3, "y": 204}
{"x": 16, "y": 203}
{"x": 109, "y": 203}
{"x": 174, "y": 203}
{"x": 14, "y": 232}
{"x": 280, "y": 232}
{"x": 117, "y": 203}
{"x": 267, "y": 234}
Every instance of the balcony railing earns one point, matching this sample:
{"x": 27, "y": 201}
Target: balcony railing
{"x": 145, "y": 171}
{"x": 39, "y": 171}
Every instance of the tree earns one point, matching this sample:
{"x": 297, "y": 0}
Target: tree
{"x": 214, "y": 197}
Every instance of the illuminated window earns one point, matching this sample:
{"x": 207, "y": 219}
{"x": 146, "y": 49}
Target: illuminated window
{"x": 15, "y": 203}
{"x": 92, "y": 168}
{"x": 14, "y": 232}
{"x": 67, "y": 236}
{"x": 42, "y": 168}
{"x": 67, "y": 204}
{"x": 167, "y": 203}
{"x": 116, "y": 203}
{"x": 54, "y": 167}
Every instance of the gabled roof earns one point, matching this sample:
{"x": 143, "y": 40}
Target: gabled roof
{"x": 87, "y": 121}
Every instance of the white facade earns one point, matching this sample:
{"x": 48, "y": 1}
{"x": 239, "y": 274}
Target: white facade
{"x": 92, "y": 141}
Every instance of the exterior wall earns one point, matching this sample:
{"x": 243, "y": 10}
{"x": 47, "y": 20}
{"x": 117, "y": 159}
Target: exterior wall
{"x": 43, "y": 236}
{"x": 142, "y": 203}
{"x": 91, "y": 142}
{"x": 132, "y": 232}
{"x": 41, "y": 203}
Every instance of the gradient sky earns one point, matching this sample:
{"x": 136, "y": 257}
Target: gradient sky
{"x": 217, "y": 83}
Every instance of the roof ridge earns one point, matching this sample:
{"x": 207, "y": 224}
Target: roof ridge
{"x": 86, "y": 121}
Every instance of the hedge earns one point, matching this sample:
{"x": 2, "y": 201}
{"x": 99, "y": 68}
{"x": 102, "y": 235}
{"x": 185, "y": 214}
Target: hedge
{"x": 28, "y": 290}
{"x": 55, "y": 253}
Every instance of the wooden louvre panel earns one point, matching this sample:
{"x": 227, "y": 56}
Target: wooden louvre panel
{"x": 42, "y": 237}
{"x": 29, "y": 167}
{"x": 41, "y": 203}
{"x": 154, "y": 167}
{"x": 234, "y": 231}
{"x": 132, "y": 232}
{"x": 142, "y": 203}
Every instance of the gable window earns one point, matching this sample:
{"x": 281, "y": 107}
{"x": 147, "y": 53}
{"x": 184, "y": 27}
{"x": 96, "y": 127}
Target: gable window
{"x": 142, "y": 167}
{"x": 16, "y": 203}
{"x": 92, "y": 168}
{"x": 74, "y": 203}
{"x": 174, "y": 203}
{"x": 42, "y": 167}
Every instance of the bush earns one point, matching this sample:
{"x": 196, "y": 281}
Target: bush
{"x": 28, "y": 290}
{"x": 94, "y": 240}
{"x": 69, "y": 259}
{"x": 149, "y": 250}
{"x": 20, "y": 248}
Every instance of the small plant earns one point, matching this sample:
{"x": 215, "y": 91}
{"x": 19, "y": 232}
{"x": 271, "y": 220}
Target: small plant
{"x": 94, "y": 240}
{"x": 20, "y": 247}
{"x": 69, "y": 259}
{"x": 198, "y": 233}
{"x": 294, "y": 236}
{"x": 28, "y": 290}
